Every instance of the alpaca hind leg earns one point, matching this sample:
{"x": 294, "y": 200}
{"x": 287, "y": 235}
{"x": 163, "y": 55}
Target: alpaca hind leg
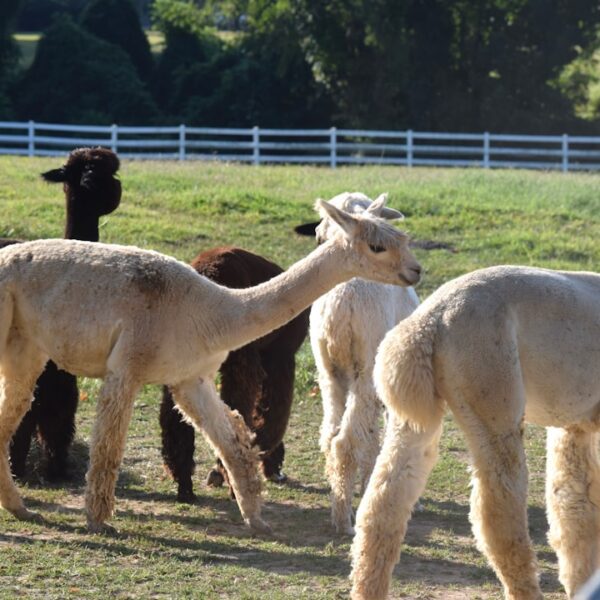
{"x": 55, "y": 405}
{"x": 115, "y": 406}
{"x": 397, "y": 481}
{"x": 20, "y": 365}
{"x": 178, "y": 444}
{"x": 333, "y": 393}
{"x": 231, "y": 439}
{"x": 499, "y": 508}
{"x": 573, "y": 504}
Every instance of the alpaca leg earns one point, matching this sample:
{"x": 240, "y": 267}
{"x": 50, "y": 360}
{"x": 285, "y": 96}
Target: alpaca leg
{"x": 21, "y": 443}
{"x": 397, "y": 481}
{"x": 55, "y": 405}
{"x": 355, "y": 445}
{"x": 19, "y": 369}
{"x": 333, "y": 394}
{"x": 178, "y": 445}
{"x": 229, "y": 436}
{"x": 573, "y": 504}
{"x": 273, "y": 409}
{"x": 242, "y": 378}
{"x": 115, "y": 406}
{"x": 499, "y": 507}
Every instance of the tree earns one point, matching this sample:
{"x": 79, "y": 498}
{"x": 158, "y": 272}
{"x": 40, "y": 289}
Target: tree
{"x": 9, "y": 53}
{"x": 78, "y": 78}
{"x": 118, "y": 22}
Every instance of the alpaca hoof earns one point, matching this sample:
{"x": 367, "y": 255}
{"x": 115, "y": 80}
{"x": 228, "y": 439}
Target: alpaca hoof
{"x": 258, "y": 525}
{"x": 215, "y": 479}
{"x": 345, "y": 529}
{"x": 279, "y": 477}
{"x": 24, "y": 514}
{"x": 99, "y": 527}
{"x": 186, "y": 496}
{"x": 418, "y": 507}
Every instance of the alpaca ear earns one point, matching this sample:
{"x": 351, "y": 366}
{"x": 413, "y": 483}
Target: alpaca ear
{"x": 309, "y": 229}
{"x": 347, "y": 222}
{"x": 55, "y": 175}
{"x": 379, "y": 209}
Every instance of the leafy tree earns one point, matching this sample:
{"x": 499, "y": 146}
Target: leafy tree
{"x": 37, "y": 15}
{"x": 9, "y": 53}
{"x": 78, "y": 78}
{"x": 118, "y": 22}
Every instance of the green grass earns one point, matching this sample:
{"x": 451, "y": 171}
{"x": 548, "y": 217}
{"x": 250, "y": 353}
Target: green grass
{"x": 168, "y": 550}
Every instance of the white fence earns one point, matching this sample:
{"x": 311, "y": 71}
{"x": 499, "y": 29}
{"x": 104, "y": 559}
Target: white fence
{"x": 321, "y": 146}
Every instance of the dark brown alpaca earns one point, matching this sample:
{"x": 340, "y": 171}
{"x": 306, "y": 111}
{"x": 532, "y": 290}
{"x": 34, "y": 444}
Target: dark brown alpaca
{"x": 91, "y": 190}
{"x": 257, "y": 380}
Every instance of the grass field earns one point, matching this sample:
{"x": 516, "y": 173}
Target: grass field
{"x": 169, "y": 550}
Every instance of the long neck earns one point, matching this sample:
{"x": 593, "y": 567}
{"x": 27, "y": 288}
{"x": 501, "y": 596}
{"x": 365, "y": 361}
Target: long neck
{"x": 81, "y": 225}
{"x": 270, "y": 305}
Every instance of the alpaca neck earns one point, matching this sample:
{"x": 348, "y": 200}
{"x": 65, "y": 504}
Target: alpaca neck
{"x": 81, "y": 225}
{"x": 268, "y": 306}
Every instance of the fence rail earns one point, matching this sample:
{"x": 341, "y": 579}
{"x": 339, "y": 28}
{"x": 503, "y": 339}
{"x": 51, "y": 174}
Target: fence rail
{"x": 331, "y": 147}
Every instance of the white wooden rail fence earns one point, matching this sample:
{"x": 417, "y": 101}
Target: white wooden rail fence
{"x": 322, "y": 146}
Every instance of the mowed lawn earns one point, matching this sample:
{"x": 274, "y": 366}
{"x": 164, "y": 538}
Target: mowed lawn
{"x": 170, "y": 550}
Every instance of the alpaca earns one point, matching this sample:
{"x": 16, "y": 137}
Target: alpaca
{"x": 257, "y": 380}
{"x": 91, "y": 190}
{"x": 499, "y": 346}
{"x": 346, "y": 326}
{"x": 131, "y": 317}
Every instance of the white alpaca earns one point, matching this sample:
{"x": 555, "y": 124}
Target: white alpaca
{"x": 132, "y": 317}
{"x": 346, "y": 326}
{"x": 499, "y": 347}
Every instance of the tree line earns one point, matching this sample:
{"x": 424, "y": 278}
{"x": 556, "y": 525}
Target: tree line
{"x": 526, "y": 66}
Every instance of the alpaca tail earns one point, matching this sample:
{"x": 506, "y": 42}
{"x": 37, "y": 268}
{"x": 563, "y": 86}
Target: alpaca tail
{"x": 404, "y": 375}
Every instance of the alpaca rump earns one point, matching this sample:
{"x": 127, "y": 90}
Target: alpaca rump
{"x": 257, "y": 380}
{"x": 91, "y": 190}
{"x": 346, "y": 326}
{"x": 132, "y": 317}
{"x": 498, "y": 347}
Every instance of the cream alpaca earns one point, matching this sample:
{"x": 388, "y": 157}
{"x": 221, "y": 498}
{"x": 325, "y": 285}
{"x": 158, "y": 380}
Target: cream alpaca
{"x": 499, "y": 347}
{"x": 132, "y": 317}
{"x": 346, "y": 326}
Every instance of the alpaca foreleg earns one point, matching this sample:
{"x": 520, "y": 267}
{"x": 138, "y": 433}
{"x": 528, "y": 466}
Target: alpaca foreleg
{"x": 231, "y": 439}
{"x": 273, "y": 410}
{"x": 573, "y": 504}
{"x": 178, "y": 444}
{"x": 499, "y": 509}
{"x": 21, "y": 443}
{"x": 55, "y": 405}
{"x": 356, "y": 445}
{"x": 115, "y": 406}
{"x": 397, "y": 481}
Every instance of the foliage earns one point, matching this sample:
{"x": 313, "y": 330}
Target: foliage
{"x": 169, "y": 550}
{"x": 37, "y": 15}
{"x": 9, "y": 54}
{"x": 78, "y": 78}
{"x": 117, "y": 22}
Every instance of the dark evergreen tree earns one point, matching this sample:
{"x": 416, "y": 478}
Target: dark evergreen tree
{"x": 9, "y": 54}
{"x": 79, "y": 78}
{"x": 118, "y": 22}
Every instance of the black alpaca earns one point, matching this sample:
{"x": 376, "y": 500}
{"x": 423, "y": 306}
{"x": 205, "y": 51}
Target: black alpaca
{"x": 91, "y": 190}
{"x": 257, "y": 380}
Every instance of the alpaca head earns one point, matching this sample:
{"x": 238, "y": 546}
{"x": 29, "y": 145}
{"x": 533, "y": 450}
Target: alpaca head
{"x": 379, "y": 250}
{"x": 89, "y": 180}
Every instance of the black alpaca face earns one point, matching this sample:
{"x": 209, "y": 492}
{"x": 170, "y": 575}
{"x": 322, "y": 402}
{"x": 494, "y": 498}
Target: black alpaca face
{"x": 89, "y": 178}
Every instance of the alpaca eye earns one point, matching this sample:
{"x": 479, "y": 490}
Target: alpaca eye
{"x": 376, "y": 249}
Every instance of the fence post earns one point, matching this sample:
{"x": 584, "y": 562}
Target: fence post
{"x": 30, "y": 138}
{"x": 565, "y": 153}
{"x": 333, "y": 147}
{"x": 255, "y": 145}
{"x": 409, "y": 148}
{"x": 486, "y": 150}
{"x": 113, "y": 137}
{"x": 182, "y": 142}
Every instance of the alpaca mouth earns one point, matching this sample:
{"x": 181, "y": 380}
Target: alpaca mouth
{"x": 408, "y": 281}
